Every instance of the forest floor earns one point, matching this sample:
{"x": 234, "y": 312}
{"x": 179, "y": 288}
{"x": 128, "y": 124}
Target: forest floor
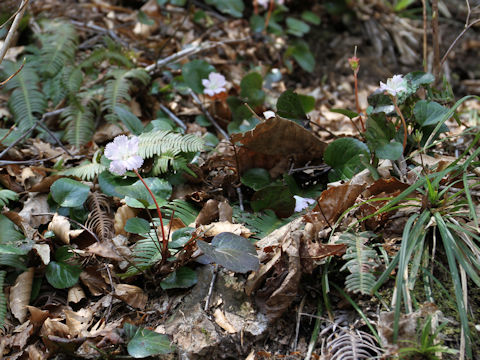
{"x": 101, "y": 298}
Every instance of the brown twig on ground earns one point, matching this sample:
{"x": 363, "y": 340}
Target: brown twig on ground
{"x": 13, "y": 28}
{"x": 172, "y": 116}
{"x": 197, "y": 100}
{"x": 468, "y": 25}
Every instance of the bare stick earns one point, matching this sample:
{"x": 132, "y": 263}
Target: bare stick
{"x": 207, "y": 114}
{"x": 172, "y": 116}
{"x": 468, "y": 25}
{"x": 13, "y": 29}
{"x": 425, "y": 44}
{"x": 210, "y": 288}
{"x": 436, "y": 45}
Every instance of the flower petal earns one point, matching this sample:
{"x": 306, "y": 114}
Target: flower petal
{"x": 117, "y": 167}
{"x": 302, "y": 203}
{"x": 133, "y": 162}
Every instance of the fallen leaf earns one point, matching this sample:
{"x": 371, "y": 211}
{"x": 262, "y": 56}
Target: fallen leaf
{"x": 208, "y": 214}
{"x": 123, "y": 213}
{"x": 75, "y": 294}
{"x": 43, "y": 251}
{"x": 78, "y": 322}
{"x": 20, "y": 294}
{"x": 37, "y": 316}
{"x": 132, "y": 295}
{"x": 222, "y": 321}
{"x": 224, "y": 226}
{"x": 61, "y": 228}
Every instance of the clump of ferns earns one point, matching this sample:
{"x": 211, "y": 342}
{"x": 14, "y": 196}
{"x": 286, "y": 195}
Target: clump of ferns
{"x": 446, "y": 226}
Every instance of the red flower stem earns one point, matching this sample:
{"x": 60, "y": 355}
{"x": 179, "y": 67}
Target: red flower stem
{"x": 164, "y": 239}
{"x": 397, "y": 109}
{"x": 357, "y": 103}
{"x": 269, "y": 14}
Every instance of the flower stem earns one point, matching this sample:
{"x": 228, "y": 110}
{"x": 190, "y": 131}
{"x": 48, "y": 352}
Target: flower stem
{"x": 357, "y": 102}
{"x": 397, "y": 109}
{"x": 164, "y": 239}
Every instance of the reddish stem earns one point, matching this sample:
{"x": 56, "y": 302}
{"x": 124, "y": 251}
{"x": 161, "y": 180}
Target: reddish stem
{"x": 357, "y": 103}
{"x": 269, "y": 14}
{"x": 164, "y": 239}
{"x": 397, "y": 109}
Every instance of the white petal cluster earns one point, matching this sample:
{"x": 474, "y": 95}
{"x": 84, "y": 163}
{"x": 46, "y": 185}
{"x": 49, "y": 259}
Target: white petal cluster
{"x": 123, "y": 153}
{"x": 302, "y": 203}
{"x": 215, "y": 84}
{"x": 394, "y": 85}
{"x": 266, "y": 3}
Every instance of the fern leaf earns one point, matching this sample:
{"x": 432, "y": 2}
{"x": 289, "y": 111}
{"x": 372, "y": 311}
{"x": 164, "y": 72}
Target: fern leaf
{"x": 26, "y": 100}
{"x": 6, "y": 196}
{"x": 262, "y": 223}
{"x": 351, "y": 344}
{"x": 183, "y": 211}
{"x": 72, "y": 78}
{"x": 166, "y": 142}
{"x": 59, "y": 44}
{"x": 360, "y": 262}
{"x": 145, "y": 254}
{"x": 86, "y": 170}
{"x": 80, "y": 125}
{"x": 3, "y": 299}
{"x": 99, "y": 220}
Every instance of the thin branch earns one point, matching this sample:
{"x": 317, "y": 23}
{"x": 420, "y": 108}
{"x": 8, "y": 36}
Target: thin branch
{"x": 172, "y": 116}
{"x": 207, "y": 114}
{"x": 13, "y": 29}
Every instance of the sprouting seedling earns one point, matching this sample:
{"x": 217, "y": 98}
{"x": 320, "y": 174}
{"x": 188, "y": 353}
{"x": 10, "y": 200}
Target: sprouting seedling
{"x": 124, "y": 155}
{"x": 392, "y": 88}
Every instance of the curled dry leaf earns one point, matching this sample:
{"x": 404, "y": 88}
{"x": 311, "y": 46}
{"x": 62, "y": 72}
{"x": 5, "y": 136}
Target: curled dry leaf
{"x": 61, "y": 228}
{"x": 78, "y": 322}
{"x": 35, "y": 204}
{"x": 216, "y": 228}
{"x": 208, "y": 213}
{"x": 20, "y": 294}
{"x": 225, "y": 212}
{"x": 222, "y": 321}
{"x": 123, "y": 213}
{"x": 75, "y": 294}
{"x": 34, "y": 353}
{"x": 93, "y": 280}
{"x": 132, "y": 295}
{"x": 37, "y": 316}
{"x": 43, "y": 251}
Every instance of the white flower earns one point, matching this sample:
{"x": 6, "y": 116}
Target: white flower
{"x": 123, "y": 153}
{"x": 394, "y": 85}
{"x": 302, "y": 203}
{"x": 215, "y": 84}
{"x": 266, "y": 3}
{"x": 268, "y": 114}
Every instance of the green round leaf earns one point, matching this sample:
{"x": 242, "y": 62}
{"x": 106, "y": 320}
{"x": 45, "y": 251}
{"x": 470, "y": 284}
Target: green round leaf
{"x": 62, "y": 275}
{"x": 109, "y": 182}
{"x": 311, "y": 18}
{"x": 193, "y": 73}
{"x": 231, "y": 7}
{"x": 231, "y": 251}
{"x": 392, "y": 150}
{"x": 290, "y": 106}
{"x": 297, "y": 27}
{"x": 279, "y": 198}
{"x": 137, "y": 226}
{"x": 429, "y": 112}
{"x": 63, "y": 253}
{"x": 69, "y": 193}
{"x": 137, "y": 195}
{"x": 343, "y": 155}
{"x": 251, "y": 89}
{"x": 149, "y": 343}
{"x": 256, "y": 178}
{"x": 182, "y": 278}
{"x": 302, "y": 55}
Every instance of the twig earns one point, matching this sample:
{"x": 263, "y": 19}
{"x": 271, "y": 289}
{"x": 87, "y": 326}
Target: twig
{"x": 468, "y": 25}
{"x": 13, "y": 28}
{"x": 435, "y": 36}
{"x": 13, "y": 75}
{"x": 299, "y": 317}
{"x": 18, "y": 140}
{"x": 26, "y": 162}
{"x": 8, "y": 133}
{"x": 172, "y": 116}
{"x": 189, "y": 51}
{"x": 425, "y": 44}
{"x": 210, "y": 288}
{"x": 97, "y": 28}
{"x": 207, "y": 114}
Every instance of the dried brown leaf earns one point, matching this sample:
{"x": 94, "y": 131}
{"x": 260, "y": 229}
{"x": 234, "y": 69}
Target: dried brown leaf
{"x": 61, "y": 228}
{"x": 20, "y": 294}
{"x": 123, "y": 213}
{"x": 132, "y": 295}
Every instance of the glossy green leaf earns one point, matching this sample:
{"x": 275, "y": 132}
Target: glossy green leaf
{"x": 310, "y": 17}
{"x": 300, "y": 51}
{"x": 297, "y": 27}
{"x": 180, "y": 237}
{"x": 256, "y": 178}
{"x": 307, "y": 101}
{"x": 137, "y": 226}
{"x": 380, "y": 136}
{"x": 62, "y": 275}
{"x": 251, "y": 89}
{"x": 279, "y": 198}
{"x": 182, "y": 278}
{"x": 137, "y": 196}
{"x": 149, "y": 343}
{"x": 290, "y": 107}
{"x": 429, "y": 112}
{"x": 193, "y": 73}
{"x": 69, "y": 193}
{"x": 348, "y": 113}
{"x": 231, "y": 251}
{"x": 108, "y": 182}
{"x": 343, "y": 155}
{"x": 230, "y": 7}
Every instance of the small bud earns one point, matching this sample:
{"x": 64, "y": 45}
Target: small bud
{"x": 354, "y": 63}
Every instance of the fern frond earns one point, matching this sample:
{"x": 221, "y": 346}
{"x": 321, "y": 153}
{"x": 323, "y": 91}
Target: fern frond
{"x": 6, "y": 196}
{"x": 54, "y": 89}
{"x": 72, "y": 78}
{"x": 87, "y": 170}
{"x": 262, "y": 223}
{"x": 145, "y": 254}
{"x": 360, "y": 262}
{"x": 99, "y": 219}
{"x": 183, "y": 211}
{"x": 351, "y": 344}
{"x": 13, "y": 260}
{"x": 80, "y": 125}
{"x": 59, "y": 44}
{"x": 3, "y": 299}
{"x": 110, "y": 51}
{"x": 26, "y": 100}
{"x": 166, "y": 142}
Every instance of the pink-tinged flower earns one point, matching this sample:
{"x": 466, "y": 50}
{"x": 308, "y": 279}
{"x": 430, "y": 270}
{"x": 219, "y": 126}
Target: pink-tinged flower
{"x": 215, "y": 84}
{"x": 123, "y": 153}
{"x": 302, "y": 203}
{"x": 266, "y": 3}
{"x": 394, "y": 85}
